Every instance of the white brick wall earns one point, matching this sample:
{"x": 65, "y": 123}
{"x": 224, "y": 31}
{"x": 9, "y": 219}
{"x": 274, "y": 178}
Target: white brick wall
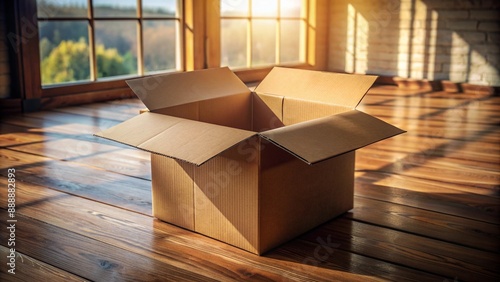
{"x": 456, "y": 40}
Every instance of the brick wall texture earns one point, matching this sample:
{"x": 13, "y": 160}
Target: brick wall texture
{"x": 457, "y": 40}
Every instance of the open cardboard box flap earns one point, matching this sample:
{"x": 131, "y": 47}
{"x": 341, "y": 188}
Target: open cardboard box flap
{"x": 192, "y": 141}
{"x": 323, "y": 138}
{"x": 168, "y": 90}
{"x": 319, "y": 139}
{"x": 324, "y": 87}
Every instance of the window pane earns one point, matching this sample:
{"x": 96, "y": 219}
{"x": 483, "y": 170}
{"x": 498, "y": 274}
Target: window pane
{"x": 64, "y": 51}
{"x": 115, "y": 8}
{"x": 234, "y": 43}
{"x": 290, "y": 43}
{"x": 290, "y": 8}
{"x": 61, "y": 8}
{"x": 264, "y": 8}
{"x": 159, "y": 8}
{"x": 234, "y": 8}
{"x": 116, "y": 48}
{"x": 263, "y": 42}
{"x": 159, "y": 45}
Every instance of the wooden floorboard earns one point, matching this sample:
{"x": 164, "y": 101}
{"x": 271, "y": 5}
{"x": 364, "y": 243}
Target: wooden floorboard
{"x": 30, "y": 269}
{"x": 81, "y": 180}
{"x": 426, "y": 223}
{"x": 92, "y": 259}
{"x": 143, "y": 235}
{"x": 426, "y": 205}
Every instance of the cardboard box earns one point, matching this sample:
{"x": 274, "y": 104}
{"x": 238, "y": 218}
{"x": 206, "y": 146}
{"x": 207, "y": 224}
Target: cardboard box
{"x": 252, "y": 169}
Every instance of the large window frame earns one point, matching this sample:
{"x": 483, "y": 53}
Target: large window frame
{"x": 25, "y": 42}
{"x": 316, "y": 20}
{"x": 250, "y": 19}
{"x": 200, "y": 49}
{"x": 139, "y": 21}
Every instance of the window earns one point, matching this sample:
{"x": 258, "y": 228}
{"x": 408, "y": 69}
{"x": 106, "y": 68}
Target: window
{"x": 69, "y": 52}
{"x": 263, "y": 32}
{"x": 90, "y": 40}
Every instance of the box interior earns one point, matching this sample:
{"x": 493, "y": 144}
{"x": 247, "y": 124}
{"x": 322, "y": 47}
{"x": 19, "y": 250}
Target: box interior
{"x": 284, "y": 97}
{"x": 252, "y": 111}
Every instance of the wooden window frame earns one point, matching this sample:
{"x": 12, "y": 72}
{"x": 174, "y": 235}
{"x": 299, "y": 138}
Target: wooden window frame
{"x": 316, "y": 40}
{"x": 200, "y": 45}
{"x": 278, "y": 19}
{"x": 139, "y": 22}
{"x": 35, "y": 96}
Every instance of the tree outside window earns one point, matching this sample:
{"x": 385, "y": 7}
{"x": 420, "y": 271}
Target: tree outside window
{"x": 107, "y": 39}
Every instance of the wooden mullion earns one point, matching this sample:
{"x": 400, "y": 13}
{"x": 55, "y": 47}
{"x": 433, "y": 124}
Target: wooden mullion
{"x": 15, "y": 66}
{"x": 28, "y": 48}
{"x": 199, "y": 33}
{"x": 92, "y": 55}
{"x": 188, "y": 28}
{"x": 179, "y": 40}
{"x": 212, "y": 30}
{"x": 277, "y": 60}
{"x": 303, "y": 31}
{"x": 249, "y": 35}
{"x": 62, "y": 19}
{"x": 311, "y": 37}
{"x": 140, "y": 39}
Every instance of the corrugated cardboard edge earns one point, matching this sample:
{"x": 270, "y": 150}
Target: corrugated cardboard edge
{"x": 324, "y": 138}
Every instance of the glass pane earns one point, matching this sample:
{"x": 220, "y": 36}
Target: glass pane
{"x": 159, "y": 45}
{"x": 61, "y": 8}
{"x": 263, "y": 42}
{"x": 264, "y": 8}
{"x": 64, "y": 51}
{"x": 290, "y": 8}
{"x": 290, "y": 43}
{"x": 159, "y": 8}
{"x": 234, "y": 8}
{"x": 115, "y": 8}
{"x": 234, "y": 43}
{"x": 116, "y": 48}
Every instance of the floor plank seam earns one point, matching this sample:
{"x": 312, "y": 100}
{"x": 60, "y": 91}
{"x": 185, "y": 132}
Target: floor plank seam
{"x": 391, "y": 173}
{"x": 77, "y": 163}
{"x": 424, "y": 209}
{"x": 425, "y": 236}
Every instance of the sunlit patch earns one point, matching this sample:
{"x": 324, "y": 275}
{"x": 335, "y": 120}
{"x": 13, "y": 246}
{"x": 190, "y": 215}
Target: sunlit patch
{"x": 263, "y": 33}
{"x": 356, "y": 54}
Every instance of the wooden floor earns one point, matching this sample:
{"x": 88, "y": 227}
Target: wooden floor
{"x": 427, "y": 203}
